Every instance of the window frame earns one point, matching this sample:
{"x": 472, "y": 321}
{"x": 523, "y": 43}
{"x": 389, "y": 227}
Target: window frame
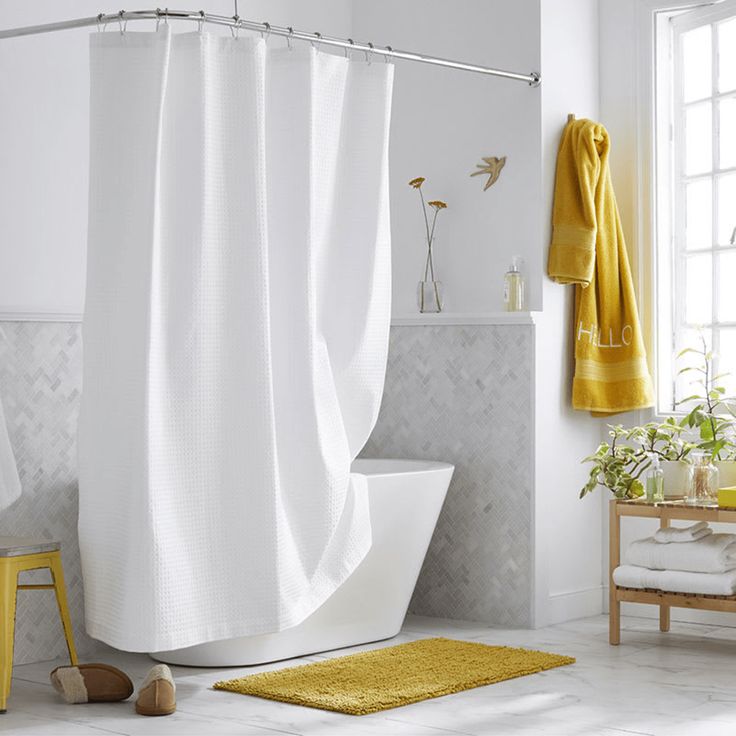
{"x": 669, "y": 181}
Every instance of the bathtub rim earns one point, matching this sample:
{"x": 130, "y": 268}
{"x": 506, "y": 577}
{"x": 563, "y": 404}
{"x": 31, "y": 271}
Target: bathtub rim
{"x": 387, "y": 467}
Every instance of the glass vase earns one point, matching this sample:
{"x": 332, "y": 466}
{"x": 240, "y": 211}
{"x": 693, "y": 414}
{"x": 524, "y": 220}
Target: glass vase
{"x": 430, "y": 297}
{"x": 702, "y": 487}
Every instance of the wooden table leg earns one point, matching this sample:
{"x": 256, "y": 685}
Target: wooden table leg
{"x": 664, "y": 611}
{"x": 614, "y": 554}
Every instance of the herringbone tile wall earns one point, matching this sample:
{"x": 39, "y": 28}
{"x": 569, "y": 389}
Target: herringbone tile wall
{"x": 460, "y": 394}
{"x": 40, "y": 383}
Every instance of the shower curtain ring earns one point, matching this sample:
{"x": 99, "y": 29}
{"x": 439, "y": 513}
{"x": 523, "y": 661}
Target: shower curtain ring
{"x": 315, "y": 44}
{"x": 368, "y": 53}
{"x": 166, "y": 16}
{"x": 123, "y": 28}
{"x": 288, "y": 38}
{"x": 387, "y": 54}
{"x": 235, "y": 29}
{"x": 267, "y": 27}
{"x": 99, "y": 21}
{"x": 352, "y": 43}
{"x": 200, "y": 22}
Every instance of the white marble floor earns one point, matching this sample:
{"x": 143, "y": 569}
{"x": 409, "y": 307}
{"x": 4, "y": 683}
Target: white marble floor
{"x": 679, "y": 684}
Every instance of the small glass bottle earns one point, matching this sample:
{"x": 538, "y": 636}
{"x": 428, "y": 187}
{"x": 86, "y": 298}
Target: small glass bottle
{"x": 702, "y": 487}
{"x": 654, "y": 480}
{"x": 513, "y": 287}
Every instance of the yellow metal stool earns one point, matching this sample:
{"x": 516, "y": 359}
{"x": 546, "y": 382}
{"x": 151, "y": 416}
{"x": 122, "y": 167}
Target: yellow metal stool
{"x": 18, "y": 554}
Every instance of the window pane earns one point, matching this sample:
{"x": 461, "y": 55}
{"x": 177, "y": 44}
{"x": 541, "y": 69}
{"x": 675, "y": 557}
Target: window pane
{"x": 726, "y": 208}
{"x": 727, "y": 360}
{"x": 696, "y": 64}
{"x": 727, "y": 132}
{"x": 727, "y": 55}
{"x": 699, "y": 215}
{"x": 698, "y": 289}
{"x": 686, "y": 383}
{"x": 727, "y": 287}
{"x": 698, "y": 149}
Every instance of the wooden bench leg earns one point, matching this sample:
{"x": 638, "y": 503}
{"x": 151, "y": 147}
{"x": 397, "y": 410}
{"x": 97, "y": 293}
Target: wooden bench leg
{"x": 614, "y": 552}
{"x": 664, "y": 611}
{"x": 8, "y": 592}
{"x": 57, "y": 572}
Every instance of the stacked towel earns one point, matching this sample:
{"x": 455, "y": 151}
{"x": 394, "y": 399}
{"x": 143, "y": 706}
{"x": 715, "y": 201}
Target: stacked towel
{"x": 676, "y": 581}
{"x": 713, "y": 553}
{"x": 684, "y": 534}
{"x": 687, "y": 560}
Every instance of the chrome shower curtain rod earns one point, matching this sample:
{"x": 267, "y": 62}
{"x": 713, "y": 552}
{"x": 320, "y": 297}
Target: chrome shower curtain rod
{"x": 533, "y": 79}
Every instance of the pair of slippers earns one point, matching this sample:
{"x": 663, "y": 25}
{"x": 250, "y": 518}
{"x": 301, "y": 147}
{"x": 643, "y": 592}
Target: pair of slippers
{"x": 102, "y": 683}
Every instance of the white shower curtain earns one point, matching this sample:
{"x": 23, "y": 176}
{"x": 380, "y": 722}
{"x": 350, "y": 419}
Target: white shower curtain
{"x": 235, "y": 332}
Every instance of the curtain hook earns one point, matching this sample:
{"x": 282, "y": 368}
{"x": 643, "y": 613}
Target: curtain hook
{"x": 389, "y": 50}
{"x": 123, "y": 28}
{"x": 158, "y": 18}
{"x": 315, "y": 44}
{"x": 200, "y": 22}
{"x": 99, "y": 21}
{"x": 267, "y": 27}
{"x": 368, "y": 54}
{"x": 288, "y": 38}
{"x": 352, "y": 43}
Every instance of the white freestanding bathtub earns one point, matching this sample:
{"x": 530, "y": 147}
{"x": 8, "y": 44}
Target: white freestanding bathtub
{"x": 405, "y": 500}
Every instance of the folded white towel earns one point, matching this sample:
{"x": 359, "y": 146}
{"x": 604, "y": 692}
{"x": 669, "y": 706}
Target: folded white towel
{"x": 683, "y": 534}
{"x": 712, "y": 553}
{"x": 676, "y": 581}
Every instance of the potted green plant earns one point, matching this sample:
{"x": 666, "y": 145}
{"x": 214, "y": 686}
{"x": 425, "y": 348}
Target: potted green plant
{"x": 620, "y": 463}
{"x": 711, "y": 413}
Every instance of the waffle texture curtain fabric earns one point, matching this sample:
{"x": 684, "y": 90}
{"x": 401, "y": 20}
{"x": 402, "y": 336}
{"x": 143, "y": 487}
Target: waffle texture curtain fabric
{"x": 235, "y": 332}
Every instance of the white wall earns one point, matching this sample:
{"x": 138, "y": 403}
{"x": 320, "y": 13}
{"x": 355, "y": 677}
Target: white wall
{"x": 444, "y": 121}
{"x": 568, "y": 530}
{"x": 44, "y": 142}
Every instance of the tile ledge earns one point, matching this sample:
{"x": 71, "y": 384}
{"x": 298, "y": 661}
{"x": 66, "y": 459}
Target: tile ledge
{"x": 459, "y": 318}
{"x": 20, "y": 315}
{"x": 444, "y": 318}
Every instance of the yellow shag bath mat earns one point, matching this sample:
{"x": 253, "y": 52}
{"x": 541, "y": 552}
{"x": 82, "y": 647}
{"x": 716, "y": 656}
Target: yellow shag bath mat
{"x": 387, "y": 678}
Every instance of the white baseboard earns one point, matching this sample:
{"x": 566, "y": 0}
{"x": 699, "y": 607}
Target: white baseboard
{"x": 563, "y": 607}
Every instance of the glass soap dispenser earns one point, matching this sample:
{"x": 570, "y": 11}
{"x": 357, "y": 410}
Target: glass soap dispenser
{"x": 513, "y": 287}
{"x": 654, "y": 480}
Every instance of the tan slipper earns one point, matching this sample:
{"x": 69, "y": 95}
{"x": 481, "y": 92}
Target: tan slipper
{"x": 157, "y": 694}
{"x": 91, "y": 683}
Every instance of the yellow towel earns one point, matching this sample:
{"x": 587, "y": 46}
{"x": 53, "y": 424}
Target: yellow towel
{"x": 588, "y": 249}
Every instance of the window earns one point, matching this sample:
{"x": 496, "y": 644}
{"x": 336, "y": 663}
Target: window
{"x": 695, "y": 198}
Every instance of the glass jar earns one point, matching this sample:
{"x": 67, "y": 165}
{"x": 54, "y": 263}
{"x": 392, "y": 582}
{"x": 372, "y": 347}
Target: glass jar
{"x": 702, "y": 487}
{"x": 654, "y": 480}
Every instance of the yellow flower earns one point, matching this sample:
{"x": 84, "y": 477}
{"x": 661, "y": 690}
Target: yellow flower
{"x": 416, "y": 183}
{"x": 438, "y": 204}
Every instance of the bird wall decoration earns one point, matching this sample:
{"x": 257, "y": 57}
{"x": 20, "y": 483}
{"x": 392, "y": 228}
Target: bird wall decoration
{"x": 492, "y": 167}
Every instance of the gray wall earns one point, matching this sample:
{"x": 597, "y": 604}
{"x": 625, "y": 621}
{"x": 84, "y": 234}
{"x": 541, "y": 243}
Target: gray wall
{"x": 463, "y": 394}
{"x": 460, "y": 394}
